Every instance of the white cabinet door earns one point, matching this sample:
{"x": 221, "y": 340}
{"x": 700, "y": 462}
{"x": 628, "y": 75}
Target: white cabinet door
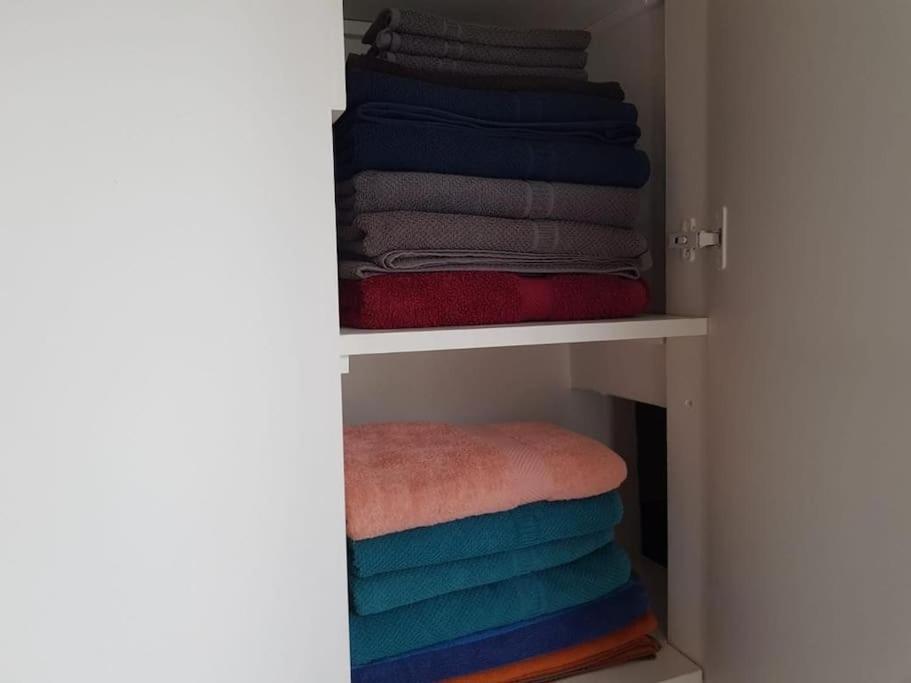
{"x": 806, "y": 141}
{"x": 171, "y": 500}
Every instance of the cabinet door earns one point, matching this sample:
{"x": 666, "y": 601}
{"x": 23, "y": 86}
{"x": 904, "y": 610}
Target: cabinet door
{"x": 804, "y": 137}
{"x": 171, "y": 499}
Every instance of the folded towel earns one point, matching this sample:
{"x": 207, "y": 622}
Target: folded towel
{"x": 362, "y": 145}
{"x": 373, "y": 234}
{"x": 608, "y": 132}
{"x": 365, "y": 85}
{"x": 429, "y": 46}
{"x": 484, "y": 535}
{"x": 371, "y": 191}
{"x": 458, "y": 66}
{"x": 609, "y": 90}
{"x": 577, "y": 661}
{"x": 627, "y": 644}
{"x": 512, "y": 643}
{"x": 402, "y": 475}
{"x": 416, "y": 241}
{"x": 423, "y": 24}
{"x": 435, "y": 261}
{"x": 413, "y": 300}
{"x": 458, "y": 614}
{"x": 395, "y": 589}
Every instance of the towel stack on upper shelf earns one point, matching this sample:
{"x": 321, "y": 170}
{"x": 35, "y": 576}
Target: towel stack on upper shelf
{"x": 425, "y": 41}
{"x": 487, "y": 553}
{"x": 482, "y": 199}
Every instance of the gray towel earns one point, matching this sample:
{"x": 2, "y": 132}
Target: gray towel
{"x": 422, "y": 24}
{"x": 406, "y": 43}
{"x": 373, "y": 234}
{"x": 465, "y": 68}
{"x": 403, "y": 241}
{"x": 371, "y": 191}
{"x": 530, "y": 264}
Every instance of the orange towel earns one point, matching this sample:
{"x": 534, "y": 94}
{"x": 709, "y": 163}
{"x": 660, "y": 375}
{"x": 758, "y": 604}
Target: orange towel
{"x": 399, "y": 476}
{"x": 621, "y": 646}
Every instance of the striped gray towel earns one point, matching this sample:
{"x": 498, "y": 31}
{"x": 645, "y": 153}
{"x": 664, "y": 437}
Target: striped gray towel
{"x": 423, "y": 24}
{"x": 372, "y": 191}
{"x": 372, "y": 234}
{"x": 352, "y": 268}
{"x": 406, "y": 241}
{"x": 406, "y": 43}
{"x": 466, "y": 68}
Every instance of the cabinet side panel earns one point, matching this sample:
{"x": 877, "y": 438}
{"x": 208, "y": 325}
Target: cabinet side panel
{"x": 809, "y": 367}
{"x": 171, "y": 499}
{"x": 686, "y": 64}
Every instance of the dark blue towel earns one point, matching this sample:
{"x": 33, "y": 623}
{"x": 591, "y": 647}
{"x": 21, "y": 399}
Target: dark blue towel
{"x": 497, "y": 647}
{"x": 362, "y": 145}
{"x": 373, "y": 86}
{"x": 596, "y": 130}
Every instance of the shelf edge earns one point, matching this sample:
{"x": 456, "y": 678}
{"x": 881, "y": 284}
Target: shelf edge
{"x": 353, "y": 342}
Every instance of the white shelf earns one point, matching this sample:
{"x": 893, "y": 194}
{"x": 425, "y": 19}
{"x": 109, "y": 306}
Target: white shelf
{"x": 670, "y": 666}
{"x": 366, "y": 342}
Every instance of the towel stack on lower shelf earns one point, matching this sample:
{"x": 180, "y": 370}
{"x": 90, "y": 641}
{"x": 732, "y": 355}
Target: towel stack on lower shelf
{"x": 487, "y": 553}
{"x": 485, "y": 199}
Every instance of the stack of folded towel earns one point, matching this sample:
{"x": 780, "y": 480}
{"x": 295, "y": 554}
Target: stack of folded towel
{"x": 486, "y": 553}
{"x": 425, "y": 41}
{"x": 480, "y": 197}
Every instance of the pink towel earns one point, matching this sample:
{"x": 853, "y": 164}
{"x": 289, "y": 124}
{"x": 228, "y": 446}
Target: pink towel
{"x": 400, "y": 476}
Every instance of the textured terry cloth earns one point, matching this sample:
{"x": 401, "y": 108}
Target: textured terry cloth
{"x": 609, "y": 132}
{"x": 414, "y": 300}
{"x": 609, "y": 90}
{"x": 423, "y": 24}
{"x": 364, "y": 85}
{"x": 458, "y": 66}
{"x": 623, "y": 645}
{"x": 465, "y": 612}
{"x": 361, "y": 145}
{"x": 391, "y": 41}
{"x": 578, "y": 661}
{"x": 372, "y": 191}
{"x": 402, "y": 475}
{"x": 484, "y": 535}
{"x": 437, "y": 261}
{"x": 414, "y": 241}
{"x": 515, "y": 642}
{"x": 373, "y": 234}
{"x": 395, "y": 589}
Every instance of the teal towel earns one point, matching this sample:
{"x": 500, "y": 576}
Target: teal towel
{"x": 468, "y": 611}
{"x": 394, "y": 589}
{"x": 482, "y": 535}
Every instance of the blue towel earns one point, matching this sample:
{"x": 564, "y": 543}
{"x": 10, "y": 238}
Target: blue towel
{"x": 513, "y": 643}
{"x": 374, "y": 86}
{"x": 462, "y": 613}
{"x": 383, "y": 592}
{"x": 363, "y": 145}
{"x": 482, "y": 535}
{"x": 609, "y": 132}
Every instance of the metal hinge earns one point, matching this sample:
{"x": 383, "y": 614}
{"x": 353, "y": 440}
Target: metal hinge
{"x": 690, "y": 240}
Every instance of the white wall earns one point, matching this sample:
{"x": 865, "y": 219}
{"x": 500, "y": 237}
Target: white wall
{"x": 809, "y": 509}
{"x": 170, "y": 477}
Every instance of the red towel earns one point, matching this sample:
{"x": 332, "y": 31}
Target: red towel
{"x": 485, "y": 298}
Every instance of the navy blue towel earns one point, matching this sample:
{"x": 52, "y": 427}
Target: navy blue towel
{"x": 374, "y": 86}
{"x": 500, "y": 646}
{"x": 544, "y": 84}
{"x": 492, "y": 153}
{"x": 595, "y": 130}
